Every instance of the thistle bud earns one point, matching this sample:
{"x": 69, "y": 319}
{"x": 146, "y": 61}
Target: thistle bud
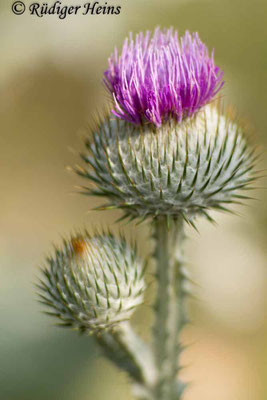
{"x": 178, "y": 168}
{"x": 93, "y": 283}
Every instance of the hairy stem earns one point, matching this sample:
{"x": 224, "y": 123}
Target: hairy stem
{"x": 169, "y": 307}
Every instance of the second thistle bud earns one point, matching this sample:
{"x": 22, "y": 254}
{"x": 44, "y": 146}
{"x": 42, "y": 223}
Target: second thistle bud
{"x": 93, "y": 283}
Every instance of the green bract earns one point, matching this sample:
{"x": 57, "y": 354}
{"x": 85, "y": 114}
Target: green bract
{"x": 179, "y": 168}
{"x": 93, "y": 282}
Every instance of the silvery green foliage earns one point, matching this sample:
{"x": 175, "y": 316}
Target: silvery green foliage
{"x": 184, "y": 168}
{"x": 93, "y": 283}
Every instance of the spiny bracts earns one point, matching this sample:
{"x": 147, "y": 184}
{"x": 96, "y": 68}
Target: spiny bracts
{"x": 93, "y": 283}
{"x": 180, "y": 168}
{"x": 160, "y": 76}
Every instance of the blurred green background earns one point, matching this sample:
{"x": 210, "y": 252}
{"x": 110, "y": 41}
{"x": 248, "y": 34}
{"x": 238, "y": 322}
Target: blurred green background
{"x": 50, "y": 85}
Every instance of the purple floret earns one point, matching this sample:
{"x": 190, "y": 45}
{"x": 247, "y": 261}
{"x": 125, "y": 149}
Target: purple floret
{"x": 160, "y": 76}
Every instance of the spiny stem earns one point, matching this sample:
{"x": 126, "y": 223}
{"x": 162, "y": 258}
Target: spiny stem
{"x": 170, "y": 307}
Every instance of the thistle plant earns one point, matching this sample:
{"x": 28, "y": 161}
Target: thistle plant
{"x": 165, "y": 154}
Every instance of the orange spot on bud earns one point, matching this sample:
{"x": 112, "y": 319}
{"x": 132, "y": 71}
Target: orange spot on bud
{"x": 79, "y": 246}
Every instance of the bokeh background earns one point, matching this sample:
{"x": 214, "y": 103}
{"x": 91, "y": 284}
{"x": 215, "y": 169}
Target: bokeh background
{"x": 50, "y": 88}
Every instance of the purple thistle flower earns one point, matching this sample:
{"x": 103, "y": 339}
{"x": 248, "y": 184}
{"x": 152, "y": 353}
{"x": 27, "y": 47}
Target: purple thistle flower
{"x": 159, "y": 76}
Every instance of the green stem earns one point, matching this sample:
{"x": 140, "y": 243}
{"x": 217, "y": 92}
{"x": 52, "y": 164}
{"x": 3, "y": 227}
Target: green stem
{"x": 170, "y": 306}
{"x": 114, "y": 352}
{"x": 128, "y": 351}
{"x": 139, "y": 351}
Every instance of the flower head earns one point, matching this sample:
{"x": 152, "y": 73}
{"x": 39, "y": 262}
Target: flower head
{"x": 93, "y": 283}
{"x": 186, "y": 168}
{"x": 160, "y": 76}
